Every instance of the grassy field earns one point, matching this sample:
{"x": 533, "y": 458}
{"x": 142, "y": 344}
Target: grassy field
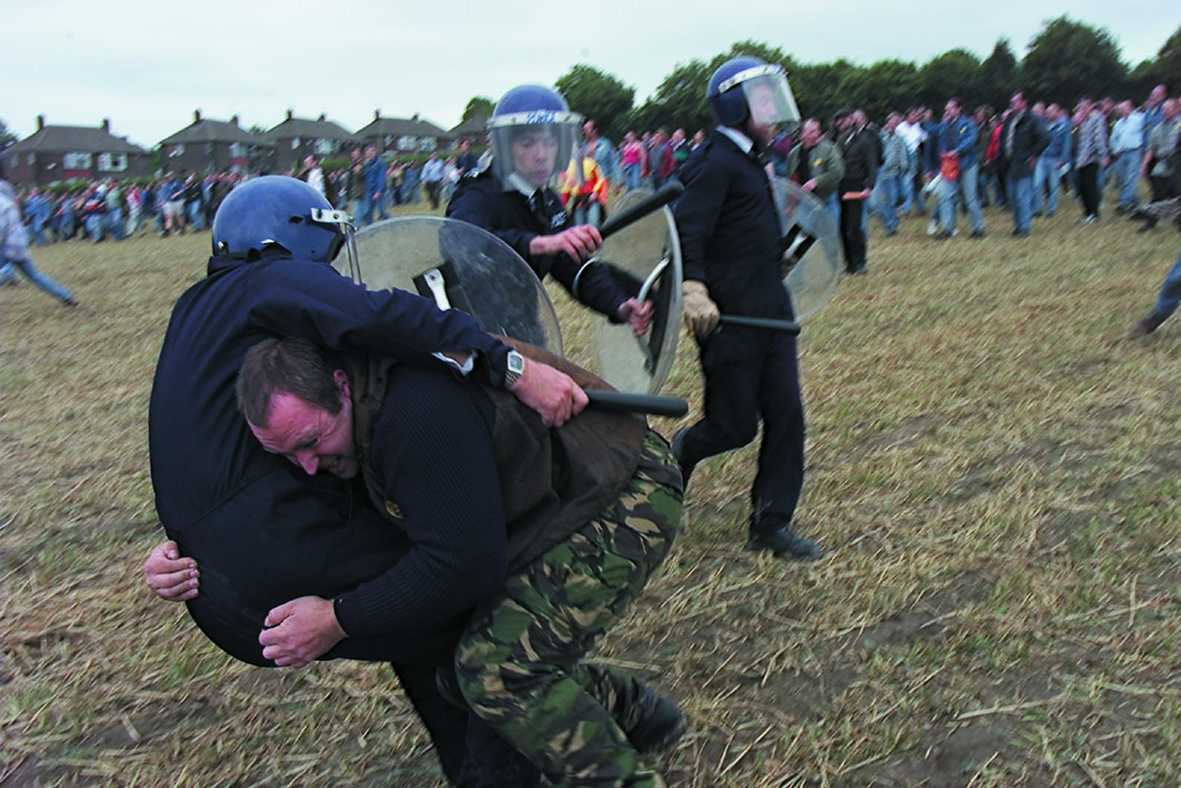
{"x": 990, "y": 467}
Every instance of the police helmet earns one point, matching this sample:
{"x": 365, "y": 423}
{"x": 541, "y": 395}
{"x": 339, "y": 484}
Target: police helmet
{"x": 533, "y": 134}
{"x": 275, "y": 212}
{"x": 747, "y": 88}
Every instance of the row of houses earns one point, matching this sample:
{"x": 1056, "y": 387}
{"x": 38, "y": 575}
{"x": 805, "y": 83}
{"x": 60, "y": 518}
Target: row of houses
{"x": 55, "y": 153}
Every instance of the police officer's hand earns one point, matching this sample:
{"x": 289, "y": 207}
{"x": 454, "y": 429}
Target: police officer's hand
{"x": 170, "y": 576}
{"x": 579, "y": 242}
{"x": 701, "y": 313}
{"x": 551, "y": 393}
{"x": 300, "y": 631}
{"x": 637, "y": 314}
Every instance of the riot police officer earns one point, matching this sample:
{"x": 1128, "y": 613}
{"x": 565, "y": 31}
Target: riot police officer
{"x": 533, "y": 134}
{"x": 732, "y": 246}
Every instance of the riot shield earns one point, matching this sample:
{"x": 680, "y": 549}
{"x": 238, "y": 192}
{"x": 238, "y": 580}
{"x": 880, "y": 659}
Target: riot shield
{"x": 644, "y": 257}
{"x": 459, "y": 266}
{"x": 812, "y": 248}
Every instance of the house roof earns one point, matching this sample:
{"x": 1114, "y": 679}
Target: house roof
{"x": 396, "y": 127}
{"x": 210, "y": 130}
{"x": 320, "y": 128}
{"x": 65, "y": 139}
{"x": 475, "y": 126}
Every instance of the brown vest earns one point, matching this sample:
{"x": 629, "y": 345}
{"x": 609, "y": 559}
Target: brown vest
{"x": 552, "y": 480}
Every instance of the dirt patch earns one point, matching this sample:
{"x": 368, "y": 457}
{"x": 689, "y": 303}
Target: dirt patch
{"x": 802, "y": 695}
{"x": 909, "y": 431}
{"x": 929, "y": 617}
{"x": 991, "y": 474}
{"x": 32, "y": 772}
{"x": 131, "y": 731}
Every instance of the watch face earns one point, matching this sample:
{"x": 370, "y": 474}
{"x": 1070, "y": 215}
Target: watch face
{"x": 516, "y": 363}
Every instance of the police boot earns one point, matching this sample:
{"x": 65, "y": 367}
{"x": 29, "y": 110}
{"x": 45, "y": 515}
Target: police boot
{"x": 777, "y": 536}
{"x": 661, "y": 722}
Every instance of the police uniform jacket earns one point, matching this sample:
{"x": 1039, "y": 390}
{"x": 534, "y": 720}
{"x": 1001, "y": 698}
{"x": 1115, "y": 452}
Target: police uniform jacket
{"x": 731, "y": 236}
{"x": 508, "y": 214}
{"x": 262, "y": 531}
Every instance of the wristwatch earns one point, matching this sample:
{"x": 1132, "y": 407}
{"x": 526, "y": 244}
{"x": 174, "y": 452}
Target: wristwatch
{"x": 516, "y": 368}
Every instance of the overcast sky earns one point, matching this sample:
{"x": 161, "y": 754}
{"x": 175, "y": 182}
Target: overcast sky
{"x": 148, "y": 65}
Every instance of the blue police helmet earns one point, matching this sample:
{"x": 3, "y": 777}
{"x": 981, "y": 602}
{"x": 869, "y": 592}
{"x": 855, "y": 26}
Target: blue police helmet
{"x": 530, "y": 98}
{"x": 540, "y": 121}
{"x": 729, "y": 105}
{"x": 275, "y": 212}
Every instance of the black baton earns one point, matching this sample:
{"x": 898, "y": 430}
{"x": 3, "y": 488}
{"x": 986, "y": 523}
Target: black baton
{"x": 787, "y": 326}
{"x": 667, "y": 194}
{"x": 622, "y": 402}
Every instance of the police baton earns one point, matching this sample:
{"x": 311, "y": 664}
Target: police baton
{"x": 623, "y": 402}
{"x": 655, "y": 202}
{"x": 771, "y": 324}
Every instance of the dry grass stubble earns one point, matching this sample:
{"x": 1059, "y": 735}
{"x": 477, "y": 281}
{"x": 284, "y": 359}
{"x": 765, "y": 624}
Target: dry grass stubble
{"x": 990, "y": 467}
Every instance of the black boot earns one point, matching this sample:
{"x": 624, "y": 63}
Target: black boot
{"x": 777, "y": 536}
{"x": 661, "y": 723}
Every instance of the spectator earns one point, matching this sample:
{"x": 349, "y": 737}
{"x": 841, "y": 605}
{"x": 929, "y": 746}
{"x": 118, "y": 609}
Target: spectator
{"x": 817, "y": 165}
{"x": 957, "y": 150}
{"x": 895, "y": 160}
{"x": 1051, "y": 164}
{"x": 1160, "y": 156}
{"x": 1127, "y": 141}
{"x": 1090, "y": 155}
{"x": 859, "y": 151}
{"x": 432, "y": 179}
{"x": 466, "y": 161}
{"x": 1024, "y": 140}
{"x": 602, "y": 151}
{"x": 632, "y": 160}
{"x": 911, "y": 131}
{"x": 314, "y": 175}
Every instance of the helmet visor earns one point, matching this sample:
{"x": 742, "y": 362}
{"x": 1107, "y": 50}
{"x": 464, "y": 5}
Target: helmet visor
{"x": 536, "y": 146}
{"x": 769, "y": 97}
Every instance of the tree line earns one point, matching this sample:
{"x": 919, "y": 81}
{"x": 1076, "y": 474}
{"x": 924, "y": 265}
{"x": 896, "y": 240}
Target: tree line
{"x": 1065, "y": 60}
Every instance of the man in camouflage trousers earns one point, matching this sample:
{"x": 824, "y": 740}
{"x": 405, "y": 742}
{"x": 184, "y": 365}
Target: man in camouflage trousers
{"x": 547, "y": 533}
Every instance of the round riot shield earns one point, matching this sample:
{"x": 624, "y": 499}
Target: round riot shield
{"x": 645, "y": 258}
{"x": 812, "y": 248}
{"x": 458, "y": 266}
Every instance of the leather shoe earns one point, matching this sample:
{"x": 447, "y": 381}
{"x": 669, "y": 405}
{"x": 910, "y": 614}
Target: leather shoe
{"x": 678, "y": 449}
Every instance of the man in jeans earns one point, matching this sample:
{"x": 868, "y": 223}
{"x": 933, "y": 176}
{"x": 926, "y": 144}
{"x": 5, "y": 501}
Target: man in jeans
{"x": 958, "y": 136}
{"x": 1127, "y": 140}
{"x": 1023, "y": 138}
{"x": 1048, "y": 175}
{"x": 14, "y": 248}
{"x": 895, "y": 161}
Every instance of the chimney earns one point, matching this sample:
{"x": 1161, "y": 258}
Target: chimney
{"x": 322, "y": 117}
{"x": 106, "y": 125}
{"x": 234, "y": 119}
{"x": 40, "y": 122}
{"x": 290, "y": 114}
{"x": 414, "y": 116}
{"x": 196, "y": 116}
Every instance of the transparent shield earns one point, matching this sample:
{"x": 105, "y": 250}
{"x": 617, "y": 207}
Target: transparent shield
{"x": 462, "y": 266}
{"x": 645, "y": 258}
{"x": 771, "y": 101}
{"x": 536, "y": 154}
{"x": 812, "y": 256}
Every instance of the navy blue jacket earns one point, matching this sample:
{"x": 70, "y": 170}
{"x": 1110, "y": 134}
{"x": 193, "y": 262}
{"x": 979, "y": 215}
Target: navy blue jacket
{"x": 261, "y": 530}
{"x": 731, "y": 236}
{"x": 482, "y": 201}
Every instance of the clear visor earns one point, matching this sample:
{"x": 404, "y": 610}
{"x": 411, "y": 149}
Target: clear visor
{"x": 535, "y": 152}
{"x": 771, "y": 101}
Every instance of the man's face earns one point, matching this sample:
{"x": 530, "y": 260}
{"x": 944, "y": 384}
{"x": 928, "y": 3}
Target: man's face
{"x": 1170, "y": 109}
{"x": 534, "y": 154}
{"x": 951, "y": 111}
{"x": 810, "y": 134}
{"x": 1156, "y": 96}
{"x": 371, "y": 153}
{"x": 310, "y": 436}
{"x": 588, "y": 131}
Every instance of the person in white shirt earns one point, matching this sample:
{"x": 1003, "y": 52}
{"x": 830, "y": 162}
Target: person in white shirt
{"x": 1127, "y": 148}
{"x": 912, "y": 133}
{"x": 313, "y": 174}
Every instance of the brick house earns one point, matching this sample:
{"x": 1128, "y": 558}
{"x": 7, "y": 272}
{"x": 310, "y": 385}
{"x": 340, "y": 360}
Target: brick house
{"x": 474, "y": 129}
{"x": 57, "y": 153}
{"x": 208, "y": 145}
{"x": 404, "y": 135}
{"x": 296, "y": 138}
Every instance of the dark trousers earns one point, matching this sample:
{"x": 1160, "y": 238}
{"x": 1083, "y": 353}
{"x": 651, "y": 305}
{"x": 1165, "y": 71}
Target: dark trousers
{"x": 852, "y": 236}
{"x": 750, "y": 375}
{"x": 1088, "y": 188}
{"x": 432, "y": 193}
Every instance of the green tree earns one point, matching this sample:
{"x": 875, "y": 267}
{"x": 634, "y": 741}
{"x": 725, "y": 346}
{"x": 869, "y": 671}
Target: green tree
{"x": 598, "y": 95}
{"x": 1000, "y": 76}
{"x": 679, "y": 101}
{"x": 1168, "y": 63}
{"x": 7, "y": 138}
{"x": 885, "y": 86}
{"x": 954, "y": 73}
{"x": 478, "y": 107}
{"x": 817, "y": 88}
{"x": 1068, "y": 59}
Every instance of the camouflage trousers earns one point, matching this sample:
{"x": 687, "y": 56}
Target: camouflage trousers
{"x": 519, "y": 662}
